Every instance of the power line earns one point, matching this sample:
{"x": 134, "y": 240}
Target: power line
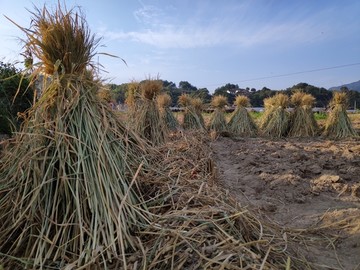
{"x": 293, "y": 73}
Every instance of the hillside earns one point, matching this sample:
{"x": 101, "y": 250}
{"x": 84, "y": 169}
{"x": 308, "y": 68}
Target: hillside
{"x": 351, "y": 86}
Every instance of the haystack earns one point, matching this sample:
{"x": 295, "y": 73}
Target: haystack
{"x": 146, "y": 119}
{"x": 68, "y": 196}
{"x": 164, "y": 102}
{"x": 338, "y": 124}
{"x": 275, "y": 121}
{"x": 218, "y": 121}
{"x": 241, "y": 123}
{"x": 302, "y": 120}
{"x": 192, "y": 117}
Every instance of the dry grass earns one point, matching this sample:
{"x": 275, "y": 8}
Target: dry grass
{"x": 68, "y": 192}
{"x": 338, "y": 124}
{"x": 302, "y": 120}
{"x": 219, "y": 102}
{"x": 275, "y": 121}
{"x": 164, "y": 101}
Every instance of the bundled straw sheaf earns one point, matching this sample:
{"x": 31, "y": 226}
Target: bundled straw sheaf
{"x": 68, "y": 191}
{"x": 241, "y": 123}
{"x": 218, "y": 121}
{"x": 164, "y": 101}
{"x": 275, "y": 121}
{"x": 147, "y": 120}
{"x": 338, "y": 124}
{"x": 192, "y": 116}
{"x": 302, "y": 120}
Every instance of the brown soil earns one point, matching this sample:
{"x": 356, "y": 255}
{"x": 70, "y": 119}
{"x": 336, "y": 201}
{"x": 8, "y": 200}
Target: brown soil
{"x": 310, "y": 186}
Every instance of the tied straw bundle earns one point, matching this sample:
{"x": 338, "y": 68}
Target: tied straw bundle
{"x": 192, "y": 117}
{"x": 302, "y": 120}
{"x": 68, "y": 196}
{"x": 338, "y": 124}
{"x": 241, "y": 123}
{"x": 218, "y": 120}
{"x": 275, "y": 120}
{"x": 164, "y": 102}
{"x": 146, "y": 118}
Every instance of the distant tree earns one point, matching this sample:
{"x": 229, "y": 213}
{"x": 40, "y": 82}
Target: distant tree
{"x": 257, "y": 97}
{"x": 186, "y": 86}
{"x": 204, "y": 94}
{"x": 15, "y": 97}
{"x": 228, "y": 90}
{"x": 118, "y": 92}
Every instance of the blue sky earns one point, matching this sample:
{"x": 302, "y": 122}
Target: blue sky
{"x": 213, "y": 42}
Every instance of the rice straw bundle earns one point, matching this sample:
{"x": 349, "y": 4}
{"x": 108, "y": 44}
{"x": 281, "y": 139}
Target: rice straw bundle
{"x": 275, "y": 120}
{"x": 164, "y": 101}
{"x": 241, "y": 123}
{"x": 68, "y": 196}
{"x": 192, "y": 117}
{"x": 197, "y": 104}
{"x": 302, "y": 120}
{"x": 147, "y": 119}
{"x": 218, "y": 120}
{"x": 338, "y": 124}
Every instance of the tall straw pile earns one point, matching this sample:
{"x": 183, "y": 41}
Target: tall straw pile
{"x": 302, "y": 120}
{"x": 68, "y": 196}
{"x": 147, "y": 119}
{"x": 218, "y": 120}
{"x": 198, "y": 225}
{"x": 192, "y": 118}
{"x": 275, "y": 121}
{"x": 338, "y": 124}
{"x": 241, "y": 123}
{"x": 164, "y": 102}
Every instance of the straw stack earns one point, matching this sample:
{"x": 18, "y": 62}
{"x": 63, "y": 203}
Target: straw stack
{"x": 275, "y": 121}
{"x": 338, "y": 124}
{"x": 68, "y": 192}
{"x": 218, "y": 120}
{"x": 241, "y": 123}
{"x": 192, "y": 118}
{"x": 164, "y": 102}
{"x": 302, "y": 120}
{"x": 146, "y": 119}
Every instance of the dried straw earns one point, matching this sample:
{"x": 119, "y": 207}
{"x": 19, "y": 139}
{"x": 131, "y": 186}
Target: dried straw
{"x": 241, "y": 123}
{"x": 218, "y": 121}
{"x": 147, "y": 120}
{"x": 275, "y": 120}
{"x": 192, "y": 117}
{"x": 68, "y": 192}
{"x": 302, "y": 120}
{"x": 164, "y": 101}
{"x": 199, "y": 225}
{"x": 338, "y": 124}
{"x": 219, "y": 102}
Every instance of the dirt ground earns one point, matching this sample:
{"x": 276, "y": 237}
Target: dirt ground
{"x": 310, "y": 186}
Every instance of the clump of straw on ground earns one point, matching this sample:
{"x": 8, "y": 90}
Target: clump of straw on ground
{"x": 241, "y": 123}
{"x": 275, "y": 121}
{"x": 164, "y": 102}
{"x": 147, "y": 119}
{"x": 338, "y": 124}
{"x": 68, "y": 192}
{"x": 218, "y": 121}
{"x": 192, "y": 118}
{"x": 302, "y": 120}
{"x": 199, "y": 225}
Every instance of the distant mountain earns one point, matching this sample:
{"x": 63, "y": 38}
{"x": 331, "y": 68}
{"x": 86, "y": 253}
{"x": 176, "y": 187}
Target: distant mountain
{"x": 351, "y": 86}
